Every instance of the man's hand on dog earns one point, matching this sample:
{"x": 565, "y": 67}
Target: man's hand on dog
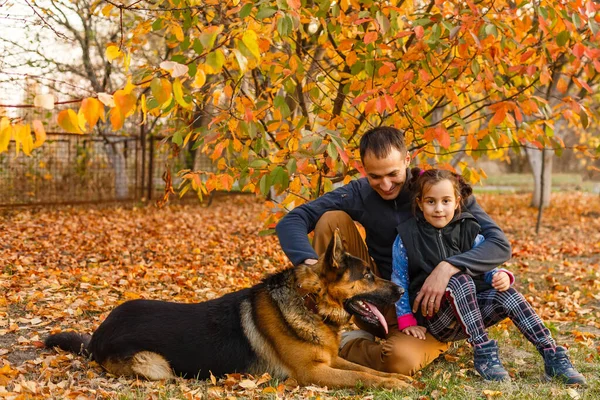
{"x": 416, "y": 331}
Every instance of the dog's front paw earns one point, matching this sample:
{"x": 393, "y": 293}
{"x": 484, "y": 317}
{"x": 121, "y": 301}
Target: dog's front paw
{"x": 404, "y": 378}
{"x": 394, "y": 383}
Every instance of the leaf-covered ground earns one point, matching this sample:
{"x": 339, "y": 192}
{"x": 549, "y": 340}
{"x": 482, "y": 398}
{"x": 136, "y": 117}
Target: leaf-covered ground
{"x": 66, "y": 268}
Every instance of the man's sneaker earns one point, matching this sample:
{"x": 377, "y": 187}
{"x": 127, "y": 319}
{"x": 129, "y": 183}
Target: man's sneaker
{"x": 558, "y": 366}
{"x": 350, "y": 336}
{"x": 487, "y": 363}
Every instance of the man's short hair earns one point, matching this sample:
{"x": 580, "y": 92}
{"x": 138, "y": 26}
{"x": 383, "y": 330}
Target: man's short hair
{"x": 381, "y": 140}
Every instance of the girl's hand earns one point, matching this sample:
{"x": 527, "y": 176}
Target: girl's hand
{"x": 416, "y": 331}
{"x": 501, "y": 281}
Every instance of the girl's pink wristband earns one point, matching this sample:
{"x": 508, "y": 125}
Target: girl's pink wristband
{"x": 404, "y": 321}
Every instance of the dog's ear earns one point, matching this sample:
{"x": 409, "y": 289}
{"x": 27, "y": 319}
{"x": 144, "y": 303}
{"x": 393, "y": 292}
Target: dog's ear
{"x": 308, "y": 280}
{"x": 335, "y": 250}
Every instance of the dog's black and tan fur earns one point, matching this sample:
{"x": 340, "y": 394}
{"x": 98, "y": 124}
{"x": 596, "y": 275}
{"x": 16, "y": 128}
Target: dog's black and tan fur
{"x": 288, "y": 326}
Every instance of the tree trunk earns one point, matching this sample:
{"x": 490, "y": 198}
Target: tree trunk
{"x": 535, "y": 161}
{"x": 117, "y": 160}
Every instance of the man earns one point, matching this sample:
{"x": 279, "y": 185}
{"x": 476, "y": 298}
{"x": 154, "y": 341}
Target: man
{"x": 379, "y": 202}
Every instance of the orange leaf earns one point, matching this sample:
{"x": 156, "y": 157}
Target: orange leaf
{"x": 545, "y": 77}
{"x": 360, "y": 98}
{"x": 124, "y": 107}
{"x": 351, "y": 58}
{"x": 370, "y": 107}
{"x": 359, "y": 167}
{"x": 380, "y": 105}
{"x": 499, "y": 116}
{"x": 429, "y": 135}
{"x": 370, "y": 37}
{"x": 578, "y": 50}
{"x": 294, "y": 4}
{"x": 525, "y": 56}
{"x": 125, "y": 102}
{"x": 583, "y": 84}
{"x": 389, "y": 102}
{"x": 562, "y": 86}
{"x": 442, "y": 136}
{"x": 518, "y": 115}
{"x": 472, "y": 141}
{"x": 419, "y": 32}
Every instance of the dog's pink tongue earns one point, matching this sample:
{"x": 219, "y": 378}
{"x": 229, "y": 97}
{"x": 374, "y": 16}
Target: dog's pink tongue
{"x": 379, "y": 316}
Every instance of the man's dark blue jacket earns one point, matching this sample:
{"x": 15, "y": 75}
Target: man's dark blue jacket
{"x": 380, "y": 218}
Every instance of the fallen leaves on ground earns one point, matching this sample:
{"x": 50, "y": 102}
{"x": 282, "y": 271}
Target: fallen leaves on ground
{"x": 66, "y": 268}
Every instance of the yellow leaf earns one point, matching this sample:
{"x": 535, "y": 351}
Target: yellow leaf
{"x": 269, "y": 390}
{"x": 162, "y": 91}
{"x": 67, "y": 119}
{"x": 251, "y": 41}
{"x": 81, "y": 121}
{"x": 209, "y": 14}
{"x": 5, "y": 133}
{"x": 489, "y": 394}
{"x": 113, "y": 52}
{"x": 200, "y": 78}
{"x": 129, "y": 86}
{"x": 40, "y": 133}
{"x": 92, "y": 110}
{"x": 178, "y": 93}
{"x": 131, "y": 295}
{"x": 107, "y": 9}
{"x": 177, "y": 31}
{"x": 127, "y": 61}
{"x": 22, "y": 137}
{"x": 144, "y": 108}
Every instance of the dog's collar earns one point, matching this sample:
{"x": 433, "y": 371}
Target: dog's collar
{"x": 309, "y": 298}
{"x": 310, "y": 302}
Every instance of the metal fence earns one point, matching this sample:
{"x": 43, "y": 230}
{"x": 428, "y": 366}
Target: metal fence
{"x": 71, "y": 169}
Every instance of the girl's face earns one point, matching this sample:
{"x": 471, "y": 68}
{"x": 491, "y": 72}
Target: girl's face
{"x": 439, "y": 203}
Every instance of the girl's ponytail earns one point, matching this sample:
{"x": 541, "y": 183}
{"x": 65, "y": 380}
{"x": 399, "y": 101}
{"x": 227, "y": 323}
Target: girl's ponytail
{"x": 415, "y": 173}
{"x": 464, "y": 188}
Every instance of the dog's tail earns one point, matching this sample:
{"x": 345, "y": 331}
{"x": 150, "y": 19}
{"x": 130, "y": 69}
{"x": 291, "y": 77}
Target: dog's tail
{"x": 74, "y": 342}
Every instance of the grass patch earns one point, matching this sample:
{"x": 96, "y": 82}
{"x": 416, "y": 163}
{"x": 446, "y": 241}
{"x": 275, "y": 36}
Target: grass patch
{"x": 524, "y": 182}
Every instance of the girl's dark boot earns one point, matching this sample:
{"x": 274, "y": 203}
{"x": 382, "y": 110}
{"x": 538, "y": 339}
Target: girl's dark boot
{"x": 487, "y": 363}
{"x": 557, "y": 365}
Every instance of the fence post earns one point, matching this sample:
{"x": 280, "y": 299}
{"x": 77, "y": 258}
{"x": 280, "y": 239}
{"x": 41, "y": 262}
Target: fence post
{"x": 143, "y": 175}
{"x": 150, "y": 168}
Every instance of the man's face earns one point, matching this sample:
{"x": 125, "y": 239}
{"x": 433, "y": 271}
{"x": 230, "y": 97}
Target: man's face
{"x": 386, "y": 175}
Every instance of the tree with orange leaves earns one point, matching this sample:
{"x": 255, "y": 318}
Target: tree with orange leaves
{"x": 285, "y": 88}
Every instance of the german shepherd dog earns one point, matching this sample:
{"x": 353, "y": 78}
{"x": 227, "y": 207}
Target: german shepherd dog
{"x": 288, "y": 325}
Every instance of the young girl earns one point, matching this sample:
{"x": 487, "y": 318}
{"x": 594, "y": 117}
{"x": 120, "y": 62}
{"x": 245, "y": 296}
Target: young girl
{"x": 474, "y": 300}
